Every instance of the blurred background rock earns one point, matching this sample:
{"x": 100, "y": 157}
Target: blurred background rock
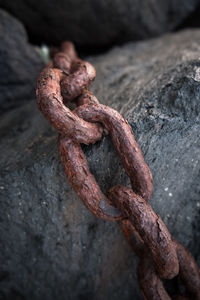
{"x": 99, "y": 23}
{"x": 52, "y": 247}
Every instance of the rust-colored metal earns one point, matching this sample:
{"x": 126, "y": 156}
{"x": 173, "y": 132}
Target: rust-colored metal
{"x": 66, "y": 79}
{"x": 149, "y": 225}
{"x": 73, "y": 84}
{"x": 86, "y": 98}
{"x": 68, "y": 47}
{"x": 150, "y": 284}
{"x": 189, "y": 272}
{"x": 149, "y": 281}
{"x": 63, "y": 62}
{"x": 83, "y": 182}
{"x": 123, "y": 139}
{"x": 50, "y": 102}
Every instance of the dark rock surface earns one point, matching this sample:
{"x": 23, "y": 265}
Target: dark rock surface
{"x": 192, "y": 21}
{"x": 97, "y": 23}
{"x": 19, "y": 63}
{"x": 52, "y": 247}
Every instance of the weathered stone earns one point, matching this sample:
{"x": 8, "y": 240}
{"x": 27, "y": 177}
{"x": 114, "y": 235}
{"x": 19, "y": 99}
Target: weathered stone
{"x": 53, "y": 247}
{"x": 19, "y": 63}
{"x": 97, "y": 23}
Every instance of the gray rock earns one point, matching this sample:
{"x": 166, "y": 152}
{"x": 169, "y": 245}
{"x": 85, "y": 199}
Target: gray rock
{"x": 19, "y": 63}
{"x": 97, "y": 23}
{"x": 52, "y": 246}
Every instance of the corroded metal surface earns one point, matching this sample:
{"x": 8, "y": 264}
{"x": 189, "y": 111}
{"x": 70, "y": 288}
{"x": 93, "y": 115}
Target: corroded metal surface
{"x": 66, "y": 79}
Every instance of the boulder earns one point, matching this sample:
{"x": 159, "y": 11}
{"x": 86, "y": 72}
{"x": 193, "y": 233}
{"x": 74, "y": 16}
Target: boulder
{"x": 19, "y": 63}
{"x": 52, "y": 246}
{"x": 95, "y": 23}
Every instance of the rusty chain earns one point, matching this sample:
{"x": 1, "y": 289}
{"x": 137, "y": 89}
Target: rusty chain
{"x": 65, "y": 79}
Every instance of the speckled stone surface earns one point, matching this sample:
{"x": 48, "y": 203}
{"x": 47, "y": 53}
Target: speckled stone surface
{"x": 53, "y": 247}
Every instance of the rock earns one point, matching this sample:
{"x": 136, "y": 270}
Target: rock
{"x": 95, "y": 23}
{"x": 19, "y": 63}
{"x": 192, "y": 21}
{"x": 53, "y": 247}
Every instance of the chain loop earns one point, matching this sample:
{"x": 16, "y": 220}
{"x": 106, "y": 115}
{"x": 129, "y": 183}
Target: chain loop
{"x": 148, "y": 225}
{"x": 50, "y": 102}
{"x": 66, "y": 79}
{"x": 83, "y": 182}
{"x": 125, "y": 144}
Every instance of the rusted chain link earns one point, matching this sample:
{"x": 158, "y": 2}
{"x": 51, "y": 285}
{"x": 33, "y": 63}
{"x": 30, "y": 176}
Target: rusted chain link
{"x": 149, "y": 281}
{"x": 66, "y": 79}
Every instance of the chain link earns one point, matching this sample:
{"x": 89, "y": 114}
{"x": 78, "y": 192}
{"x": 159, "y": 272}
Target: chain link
{"x": 66, "y": 79}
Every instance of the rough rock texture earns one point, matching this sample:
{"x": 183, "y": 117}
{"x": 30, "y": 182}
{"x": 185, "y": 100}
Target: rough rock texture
{"x": 19, "y": 63}
{"x": 97, "y": 23}
{"x": 52, "y": 246}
